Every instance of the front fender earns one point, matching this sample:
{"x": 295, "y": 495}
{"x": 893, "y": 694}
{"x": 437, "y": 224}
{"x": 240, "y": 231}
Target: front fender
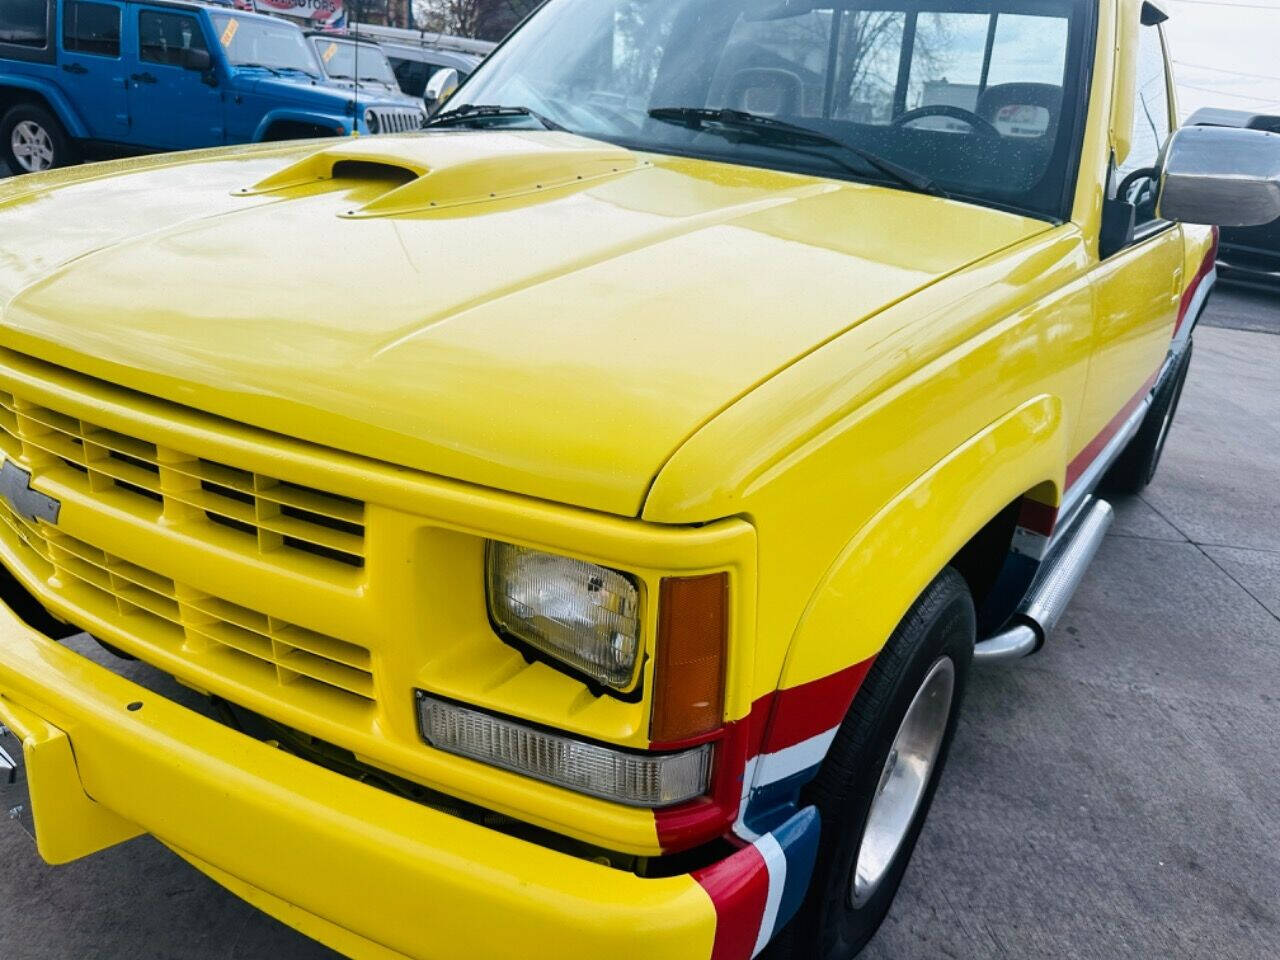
{"x": 895, "y": 555}
{"x": 57, "y": 101}
{"x": 294, "y": 115}
{"x": 874, "y": 580}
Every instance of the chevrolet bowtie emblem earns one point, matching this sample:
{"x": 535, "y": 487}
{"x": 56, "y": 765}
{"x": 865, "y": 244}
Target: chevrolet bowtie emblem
{"x": 15, "y": 488}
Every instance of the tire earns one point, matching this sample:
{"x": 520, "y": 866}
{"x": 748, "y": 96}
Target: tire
{"x": 41, "y": 134}
{"x": 840, "y": 915}
{"x": 1137, "y": 464}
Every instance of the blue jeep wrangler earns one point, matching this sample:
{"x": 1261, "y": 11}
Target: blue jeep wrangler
{"x": 119, "y": 76}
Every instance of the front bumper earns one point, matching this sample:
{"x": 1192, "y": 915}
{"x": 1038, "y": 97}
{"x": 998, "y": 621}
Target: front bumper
{"x": 402, "y": 877}
{"x": 370, "y": 873}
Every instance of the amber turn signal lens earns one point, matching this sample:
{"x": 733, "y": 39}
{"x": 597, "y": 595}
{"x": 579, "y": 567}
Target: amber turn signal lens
{"x": 693, "y": 622}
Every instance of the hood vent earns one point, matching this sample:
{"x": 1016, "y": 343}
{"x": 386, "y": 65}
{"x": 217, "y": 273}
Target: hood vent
{"x": 435, "y": 172}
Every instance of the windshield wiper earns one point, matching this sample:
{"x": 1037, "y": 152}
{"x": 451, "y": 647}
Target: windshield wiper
{"x": 735, "y": 123}
{"x": 480, "y": 113}
{"x": 261, "y": 66}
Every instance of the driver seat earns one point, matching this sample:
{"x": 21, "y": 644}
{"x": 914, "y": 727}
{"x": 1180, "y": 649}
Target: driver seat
{"x": 1002, "y": 95}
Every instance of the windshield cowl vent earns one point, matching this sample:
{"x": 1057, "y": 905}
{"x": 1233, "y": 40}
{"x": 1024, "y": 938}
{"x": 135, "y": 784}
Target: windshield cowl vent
{"x": 436, "y": 172}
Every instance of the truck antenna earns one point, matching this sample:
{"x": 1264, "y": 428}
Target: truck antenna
{"x": 355, "y": 69}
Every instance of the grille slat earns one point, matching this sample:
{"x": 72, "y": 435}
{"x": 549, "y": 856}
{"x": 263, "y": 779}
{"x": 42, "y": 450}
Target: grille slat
{"x": 277, "y": 514}
{"x": 203, "y": 622}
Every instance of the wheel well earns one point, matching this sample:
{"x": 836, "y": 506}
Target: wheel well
{"x": 295, "y": 130}
{"x": 12, "y": 96}
{"x": 997, "y": 575}
{"x": 981, "y": 559}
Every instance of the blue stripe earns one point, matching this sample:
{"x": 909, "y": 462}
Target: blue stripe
{"x": 798, "y": 838}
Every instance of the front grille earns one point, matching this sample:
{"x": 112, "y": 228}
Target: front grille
{"x": 187, "y": 621}
{"x": 267, "y": 513}
{"x": 398, "y": 121}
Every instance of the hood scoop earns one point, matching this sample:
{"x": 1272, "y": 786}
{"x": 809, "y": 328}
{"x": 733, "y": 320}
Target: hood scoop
{"x": 436, "y": 172}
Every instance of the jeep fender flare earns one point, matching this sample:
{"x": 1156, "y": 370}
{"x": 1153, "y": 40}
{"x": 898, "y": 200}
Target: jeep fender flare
{"x": 52, "y": 96}
{"x": 291, "y": 115}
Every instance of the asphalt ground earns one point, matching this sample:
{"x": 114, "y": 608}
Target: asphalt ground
{"x": 1113, "y": 797}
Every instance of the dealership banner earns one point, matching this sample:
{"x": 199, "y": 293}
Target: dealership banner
{"x": 325, "y": 13}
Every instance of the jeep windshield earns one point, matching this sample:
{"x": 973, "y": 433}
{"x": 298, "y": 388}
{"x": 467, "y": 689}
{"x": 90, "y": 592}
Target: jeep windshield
{"x": 342, "y": 61}
{"x": 271, "y": 45}
{"x": 983, "y": 98}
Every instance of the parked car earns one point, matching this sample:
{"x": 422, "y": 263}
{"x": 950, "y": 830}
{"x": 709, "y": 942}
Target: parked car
{"x": 416, "y": 56}
{"x": 1247, "y": 254}
{"x": 582, "y": 517}
{"x": 100, "y": 76}
{"x": 347, "y": 60}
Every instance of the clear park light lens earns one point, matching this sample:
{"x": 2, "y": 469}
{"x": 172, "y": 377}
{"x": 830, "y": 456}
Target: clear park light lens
{"x": 634, "y": 779}
{"x": 583, "y": 615}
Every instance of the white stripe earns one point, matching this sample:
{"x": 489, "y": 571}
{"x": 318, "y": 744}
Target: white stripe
{"x": 1197, "y": 301}
{"x": 776, "y": 862}
{"x": 787, "y": 762}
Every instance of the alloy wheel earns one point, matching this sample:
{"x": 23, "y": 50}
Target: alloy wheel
{"x": 32, "y": 146}
{"x": 903, "y": 780}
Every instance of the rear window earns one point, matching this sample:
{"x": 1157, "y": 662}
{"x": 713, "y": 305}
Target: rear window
{"x": 24, "y": 23}
{"x": 91, "y": 28}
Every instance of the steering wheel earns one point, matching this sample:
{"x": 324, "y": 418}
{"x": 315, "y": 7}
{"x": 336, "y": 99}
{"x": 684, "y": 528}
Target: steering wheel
{"x": 976, "y": 123}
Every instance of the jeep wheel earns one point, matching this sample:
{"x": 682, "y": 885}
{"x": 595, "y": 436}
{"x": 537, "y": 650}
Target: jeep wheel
{"x": 1137, "y": 464}
{"x": 32, "y": 140}
{"x": 877, "y": 783}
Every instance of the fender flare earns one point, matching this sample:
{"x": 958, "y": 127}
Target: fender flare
{"x": 874, "y": 580}
{"x": 291, "y": 115}
{"x": 54, "y": 97}
{"x": 896, "y": 554}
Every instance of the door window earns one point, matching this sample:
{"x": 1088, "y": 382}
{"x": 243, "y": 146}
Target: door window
{"x": 1150, "y": 121}
{"x": 25, "y": 23}
{"x": 91, "y": 28}
{"x": 165, "y": 37}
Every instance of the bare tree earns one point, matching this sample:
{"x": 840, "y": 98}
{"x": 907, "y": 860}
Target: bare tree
{"x": 484, "y": 19}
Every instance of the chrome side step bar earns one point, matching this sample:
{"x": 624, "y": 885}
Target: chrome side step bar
{"x": 1059, "y": 577}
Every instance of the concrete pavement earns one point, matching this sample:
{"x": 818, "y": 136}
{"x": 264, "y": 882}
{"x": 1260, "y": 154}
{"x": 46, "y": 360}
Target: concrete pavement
{"x": 1114, "y": 797}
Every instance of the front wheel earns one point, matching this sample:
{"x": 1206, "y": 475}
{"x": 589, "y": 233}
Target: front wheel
{"x": 876, "y": 786}
{"x": 32, "y": 140}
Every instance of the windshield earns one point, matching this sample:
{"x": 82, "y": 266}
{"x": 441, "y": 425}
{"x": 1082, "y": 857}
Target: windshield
{"x": 276, "y": 45}
{"x": 340, "y": 61}
{"x": 981, "y": 97}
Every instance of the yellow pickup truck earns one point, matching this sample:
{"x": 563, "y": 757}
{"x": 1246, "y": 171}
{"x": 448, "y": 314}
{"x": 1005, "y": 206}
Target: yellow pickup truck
{"x": 580, "y": 518}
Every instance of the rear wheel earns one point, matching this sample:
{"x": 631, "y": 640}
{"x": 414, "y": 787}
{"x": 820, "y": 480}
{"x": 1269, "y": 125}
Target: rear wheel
{"x": 32, "y": 140}
{"x": 1136, "y": 466}
{"x": 877, "y": 783}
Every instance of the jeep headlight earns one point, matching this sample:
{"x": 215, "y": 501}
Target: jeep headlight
{"x": 371, "y": 121}
{"x": 584, "y": 616}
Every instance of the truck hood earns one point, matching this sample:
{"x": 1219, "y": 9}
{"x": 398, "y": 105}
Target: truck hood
{"x": 533, "y": 312}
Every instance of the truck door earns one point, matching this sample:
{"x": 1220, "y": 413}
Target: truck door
{"x": 1137, "y": 289}
{"x": 172, "y": 100}
{"x": 92, "y": 69}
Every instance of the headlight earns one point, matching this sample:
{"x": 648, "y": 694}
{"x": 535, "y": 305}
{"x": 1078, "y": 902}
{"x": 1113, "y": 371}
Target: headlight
{"x": 583, "y": 615}
{"x": 635, "y": 779}
{"x": 371, "y": 121}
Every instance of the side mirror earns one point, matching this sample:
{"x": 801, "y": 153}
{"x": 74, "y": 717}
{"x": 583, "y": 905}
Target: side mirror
{"x": 440, "y": 88}
{"x": 1221, "y": 176}
{"x": 197, "y": 60}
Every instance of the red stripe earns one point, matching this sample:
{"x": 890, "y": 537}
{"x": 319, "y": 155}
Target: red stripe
{"x": 777, "y": 720}
{"x": 1090, "y": 453}
{"x": 1037, "y": 517}
{"x": 739, "y": 889}
{"x": 811, "y": 708}
{"x": 1210, "y": 261}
